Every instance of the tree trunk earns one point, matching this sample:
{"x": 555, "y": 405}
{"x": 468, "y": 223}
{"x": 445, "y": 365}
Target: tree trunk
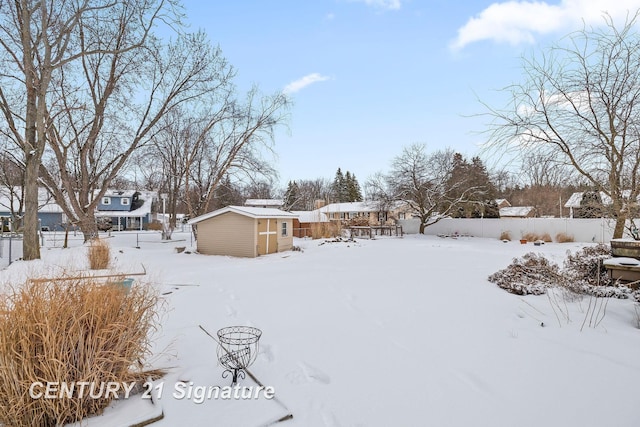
{"x": 422, "y": 227}
{"x": 88, "y": 227}
{"x": 31, "y": 243}
{"x": 621, "y": 220}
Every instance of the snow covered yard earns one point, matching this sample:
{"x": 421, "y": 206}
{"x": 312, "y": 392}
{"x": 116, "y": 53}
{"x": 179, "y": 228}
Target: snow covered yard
{"x": 387, "y": 332}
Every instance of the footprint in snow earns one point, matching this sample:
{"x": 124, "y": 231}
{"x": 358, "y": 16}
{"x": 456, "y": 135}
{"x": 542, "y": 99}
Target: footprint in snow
{"x": 308, "y": 374}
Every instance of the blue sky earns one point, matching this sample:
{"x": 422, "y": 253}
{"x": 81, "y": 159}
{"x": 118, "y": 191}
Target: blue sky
{"x": 368, "y": 77}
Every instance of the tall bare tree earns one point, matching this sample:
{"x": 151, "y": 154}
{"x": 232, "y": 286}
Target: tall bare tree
{"x": 580, "y": 104}
{"x": 37, "y": 40}
{"x": 422, "y": 181}
{"x": 234, "y": 142}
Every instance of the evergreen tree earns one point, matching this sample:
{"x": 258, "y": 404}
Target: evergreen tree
{"x": 292, "y": 199}
{"x": 354, "y": 194}
{"x": 339, "y": 188}
{"x": 227, "y": 194}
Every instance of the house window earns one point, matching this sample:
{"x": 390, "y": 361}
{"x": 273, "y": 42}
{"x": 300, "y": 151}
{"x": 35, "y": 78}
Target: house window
{"x": 124, "y": 201}
{"x": 106, "y": 200}
{"x": 284, "y": 229}
{"x": 401, "y": 215}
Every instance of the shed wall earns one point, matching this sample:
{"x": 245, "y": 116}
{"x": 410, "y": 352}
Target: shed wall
{"x": 227, "y": 234}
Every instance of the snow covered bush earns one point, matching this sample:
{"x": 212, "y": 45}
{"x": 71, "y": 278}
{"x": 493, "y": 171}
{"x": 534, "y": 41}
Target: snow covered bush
{"x": 530, "y": 274}
{"x": 582, "y": 274}
{"x": 585, "y": 266}
{"x": 68, "y": 331}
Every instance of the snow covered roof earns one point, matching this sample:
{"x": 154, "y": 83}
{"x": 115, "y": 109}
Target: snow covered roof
{"x": 143, "y": 210}
{"x": 576, "y": 198}
{"x": 504, "y": 202}
{"x": 46, "y": 202}
{"x": 516, "y": 211}
{"x": 119, "y": 193}
{"x": 249, "y": 211}
{"x": 368, "y": 206}
{"x": 264, "y": 202}
{"x": 310, "y": 216}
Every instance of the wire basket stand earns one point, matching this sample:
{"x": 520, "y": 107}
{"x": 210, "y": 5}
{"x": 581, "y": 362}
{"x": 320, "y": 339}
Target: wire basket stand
{"x": 237, "y": 350}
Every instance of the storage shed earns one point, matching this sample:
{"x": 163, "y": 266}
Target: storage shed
{"x": 244, "y": 231}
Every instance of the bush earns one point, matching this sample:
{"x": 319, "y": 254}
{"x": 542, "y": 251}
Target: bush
{"x": 67, "y": 331}
{"x": 530, "y": 237}
{"x": 531, "y": 274}
{"x": 585, "y": 267}
{"x": 99, "y": 255}
{"x": 546, "y": 237}
{"x": 155, "y": 226}
{"x": 505, "y": 235}
{"x": 564, "y": 238}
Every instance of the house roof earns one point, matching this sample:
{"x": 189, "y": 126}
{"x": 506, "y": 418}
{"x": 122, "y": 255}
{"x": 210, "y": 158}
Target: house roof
{"x": 249, "y": 211}
{"x": 119, "y": 193}
{"x": 501, "y": 201}
{"x": 368, "y": 206}
{"x": 311, "y": 216}
{"x": 143, "y": 210}
{"x": 576, "y": 198}
{"x": 264, "y": 202}
{"x": 46, "y": 202}
{"x": 516, "y": 211}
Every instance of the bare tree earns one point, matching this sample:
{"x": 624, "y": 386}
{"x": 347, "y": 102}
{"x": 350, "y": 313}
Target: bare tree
{"x": 580, "y": 105}
{"x": 37, "y": 40}
{"x": 110, "y": 106}
{"x": 422, "y": 181}
{"x": 233, "y": 142}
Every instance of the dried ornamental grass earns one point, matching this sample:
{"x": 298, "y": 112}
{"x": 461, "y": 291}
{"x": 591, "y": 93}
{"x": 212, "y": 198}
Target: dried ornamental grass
{"x": 564, "y": 238}
{"x": 99, "y": 255}
{"x": 70, "y": 331}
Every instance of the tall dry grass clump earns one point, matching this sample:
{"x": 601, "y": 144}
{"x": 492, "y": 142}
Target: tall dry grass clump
{"x": 505, "y": 235}
{"x": 70, "y": 331}
{"x": 530, "y": 236}
{"x": 99, "y": 255}
{"x": 564, "y": 238}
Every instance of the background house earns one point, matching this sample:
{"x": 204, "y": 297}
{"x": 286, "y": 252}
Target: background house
{"x": 367, "y": 213}
{"x": 50, "y": 214}
{"x": 244, "y": 231}
{"x": 265, "y": 203}
{"x": 127, "y": 209}
{"x": 518, "y": 212}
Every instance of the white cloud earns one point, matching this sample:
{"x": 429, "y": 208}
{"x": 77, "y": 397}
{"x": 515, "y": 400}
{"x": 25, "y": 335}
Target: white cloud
{"x": 382, "y": 4}
{"x": 303, "y": 82}
{"x": 517, "y": 22}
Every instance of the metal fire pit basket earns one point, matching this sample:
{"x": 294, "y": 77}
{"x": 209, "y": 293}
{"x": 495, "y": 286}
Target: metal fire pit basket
{"x": 237, "y": 350}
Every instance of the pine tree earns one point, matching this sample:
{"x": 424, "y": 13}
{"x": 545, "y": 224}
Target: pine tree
{"x": 292, "y": 197}
{"x": 354, "y": 194}
{"x": 339, "y": 187}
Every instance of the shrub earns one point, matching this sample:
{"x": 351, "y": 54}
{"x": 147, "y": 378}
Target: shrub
{"x": 546, "y": 237}
{"x": 505, "y": 235}
{"x": 67, "y": 331}
{"x": 155, "y": 226}
{"x": 531, "y": 274}
{"x": 585, "y": 266}
{"x": 564, "y": 238}
{"x": 530, "y": 237}
{"x": 99, "y": 255}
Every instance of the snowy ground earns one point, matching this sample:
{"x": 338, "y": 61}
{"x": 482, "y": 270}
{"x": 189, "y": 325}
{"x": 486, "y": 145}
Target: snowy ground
{"x": 388, "y": 332}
